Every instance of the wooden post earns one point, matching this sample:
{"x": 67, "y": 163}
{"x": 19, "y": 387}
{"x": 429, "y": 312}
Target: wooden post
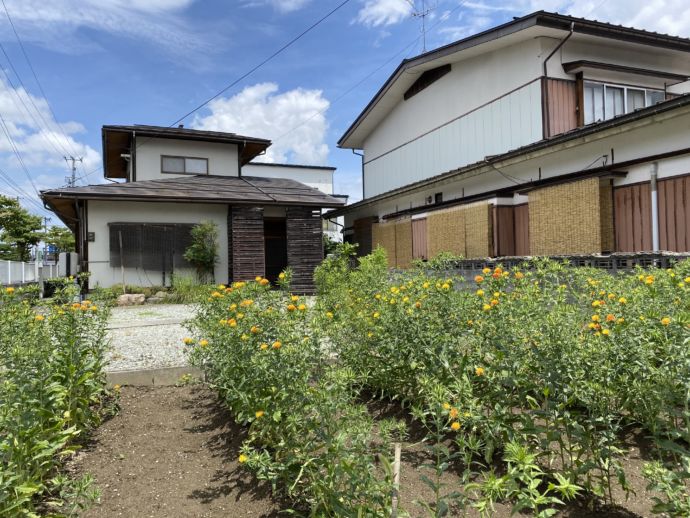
{"x": 396, "y": 480}
{"x": 122, "y": 263}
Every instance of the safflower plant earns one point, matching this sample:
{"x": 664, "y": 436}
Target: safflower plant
{"x": 52, "y": 392}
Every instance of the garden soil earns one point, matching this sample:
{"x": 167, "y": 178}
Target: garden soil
{"x": 172, "y": 452}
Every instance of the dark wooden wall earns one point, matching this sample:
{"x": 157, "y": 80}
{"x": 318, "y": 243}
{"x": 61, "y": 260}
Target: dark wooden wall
{"x": 503, "y": 230}
{"x": 304, "y": 246}
{"x": 362, "y": 235}
{"x": 521, "y": 217}
{"x": 246, "y": 243}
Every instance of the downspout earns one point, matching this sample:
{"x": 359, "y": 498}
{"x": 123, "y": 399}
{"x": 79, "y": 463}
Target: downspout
{"x": 547, "y": 122}
{"x": 655, "y": 206}
{"x": 362, "y": 156}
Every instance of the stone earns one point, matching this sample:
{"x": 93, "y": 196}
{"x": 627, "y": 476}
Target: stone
{"x": 161, "y": 294}
{"x": 133, "y": 299}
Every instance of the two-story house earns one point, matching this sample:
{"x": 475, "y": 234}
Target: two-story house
{"x": 165, "y": 180}
{"x": 547, "y": 135}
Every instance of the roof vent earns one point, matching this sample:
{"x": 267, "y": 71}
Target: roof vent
{"x": 180, "y": 125}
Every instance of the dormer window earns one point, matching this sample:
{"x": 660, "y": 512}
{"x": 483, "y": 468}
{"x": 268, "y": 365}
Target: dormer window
{"x": 183, "y": 165}
{"x": 604, "y": 101}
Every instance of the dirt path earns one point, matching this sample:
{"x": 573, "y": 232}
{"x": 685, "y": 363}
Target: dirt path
{"x": 172, "y": 452}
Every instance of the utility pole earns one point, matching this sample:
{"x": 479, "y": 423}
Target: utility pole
{"x": 72, "y": 180}
{"x": 46, "y": 219}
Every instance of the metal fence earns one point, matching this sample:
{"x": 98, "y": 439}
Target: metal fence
{"x": 16, "y": 273}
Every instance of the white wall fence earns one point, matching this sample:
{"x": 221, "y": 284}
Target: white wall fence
{"x": 17, "y": 273}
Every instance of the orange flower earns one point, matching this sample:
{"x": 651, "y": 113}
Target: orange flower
{"x": 418, "y": 304}
{"x": 232, "y": 322}
{"x": 291, "y": 307}
{"x": 301, "y": 307}
{"x": 494, "y": 302}
{"x": 455, "y": 426}
{"x": 453, "y": 413}
{"x": 277, "y": 345}
{"x": 519, "y": 275}
{"x": 264, "y": 282}
{"x": 478, "y": 279}
{"x": 610, "y": 317}
{"x": 665, "y": 321}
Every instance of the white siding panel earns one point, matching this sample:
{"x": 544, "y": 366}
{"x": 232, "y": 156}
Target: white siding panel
{"x": 507, "y": 123}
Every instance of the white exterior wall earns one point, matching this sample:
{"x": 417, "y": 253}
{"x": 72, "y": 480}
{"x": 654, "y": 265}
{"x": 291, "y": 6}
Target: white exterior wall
{"x": 507, "y": 123}
{"x": 222, "y": 158}
{"x": 100, "y": 213}
{"x": 467, "y": 114}
{"x": 664, "y": 133}
{"x": 321, "y": 179}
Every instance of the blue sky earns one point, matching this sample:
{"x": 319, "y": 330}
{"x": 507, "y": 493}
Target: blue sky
{"x": 151, "y": 61}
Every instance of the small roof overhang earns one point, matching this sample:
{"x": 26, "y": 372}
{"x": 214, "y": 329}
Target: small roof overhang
{"x": 117, "y": 140}
{"x": 623, "y": 73}
{"x": 227, "y": 190}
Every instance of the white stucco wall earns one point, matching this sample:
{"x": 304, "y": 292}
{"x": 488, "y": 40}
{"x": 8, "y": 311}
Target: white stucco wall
{"x": 319, "y": 178}
{"x": 100, "y": 213}
{"x": 222, "y": 158}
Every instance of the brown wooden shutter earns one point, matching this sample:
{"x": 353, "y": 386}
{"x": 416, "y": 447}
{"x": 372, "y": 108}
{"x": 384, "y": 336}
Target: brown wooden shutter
{"x": 521, "y": 219}
{"x": 674, "y": 214}
{"x": 419, "y": 240}
{"x": 633, "y": 218}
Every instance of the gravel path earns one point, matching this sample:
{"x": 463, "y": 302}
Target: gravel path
{"x": 149, "y": 336}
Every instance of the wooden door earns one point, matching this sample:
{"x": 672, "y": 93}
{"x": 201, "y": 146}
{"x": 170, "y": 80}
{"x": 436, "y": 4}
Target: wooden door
{"x": 419, "y": 248}
{"x": 632, "y": 209}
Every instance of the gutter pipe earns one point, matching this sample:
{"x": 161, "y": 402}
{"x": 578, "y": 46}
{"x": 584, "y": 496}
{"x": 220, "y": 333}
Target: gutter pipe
{"x": 547, "y": 123}
{"x": 655, "y": 206}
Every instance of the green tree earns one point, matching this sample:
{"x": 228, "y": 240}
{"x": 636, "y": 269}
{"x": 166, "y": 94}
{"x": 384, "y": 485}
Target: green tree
{"x": 61, "y": 238}
{"x": 203, "y": 252}
{"x": 19, "y": 230}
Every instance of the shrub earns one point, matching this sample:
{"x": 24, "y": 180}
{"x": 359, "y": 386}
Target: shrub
{"x": 203, "y": 252}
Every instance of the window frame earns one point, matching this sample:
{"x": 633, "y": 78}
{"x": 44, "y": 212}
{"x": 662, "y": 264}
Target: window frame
{"x": 625, "y": 89}
{"x": 185, "y": 158}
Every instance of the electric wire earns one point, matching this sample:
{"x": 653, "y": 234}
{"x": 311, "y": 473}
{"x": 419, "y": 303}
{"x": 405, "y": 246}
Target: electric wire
{"x": 266, "y": 60}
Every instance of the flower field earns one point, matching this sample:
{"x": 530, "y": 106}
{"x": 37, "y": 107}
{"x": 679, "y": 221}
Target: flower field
{"x": 525, "y": 383}
{"x": 51, "y": 393}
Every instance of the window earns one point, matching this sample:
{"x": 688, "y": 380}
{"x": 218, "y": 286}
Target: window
{"x": 604, "y": 101}
{"x": 184, "y": 165}
{"x": 150, "y": 246}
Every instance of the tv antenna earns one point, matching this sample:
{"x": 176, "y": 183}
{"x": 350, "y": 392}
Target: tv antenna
{"x": 422, "y": 15}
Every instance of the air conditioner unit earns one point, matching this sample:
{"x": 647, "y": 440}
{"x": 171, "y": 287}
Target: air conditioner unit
{"x": 429, "y": 200}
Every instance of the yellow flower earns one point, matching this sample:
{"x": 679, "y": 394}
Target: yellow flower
{"x": 188, "y": 341}
{"x": 264, "y": 346}
{"x": 605, "y": 332}
{"x": 455, "y": 426}
{"x": 215, "y": 294}
{"x": 257, "y": 278}
{"x": 9, "y": 290}
{"x": 595, "y": 318}
{"x": 620, "y": 320}
{"x": 232, "y": 322}
{"x": 222, "y": 321}
{"x": 94, "y": 308}
{"x": 255, "y": 330}
{"x": 453, "y": 413}
{"x": 596, "y": 303}
{"x": 294, "y": 298}
{"x": 221, "y": 286}
{"x": 486, "y": 270}
{"x": 649, "y": 279}
{"x": 486, "y": 307}
{"x": 277, "y": 345}
{"x": 244, "y": 337}
{"x": 479, "y": 293}
{"x": 246, "y": 303}
{"x": 240, "y": 315}
{"x": 329, "y": 314}
{"x": 117, "y": 388}
{"x": 66, "y": 414}
{"x": 497, "y": 294}
{"x": 611, "y": 296}
{"x": 242, "y": 458}
{"x": 259, "y": 414}
{"x": 479, "y": 371}
{"x": 39, "y": 318}
{"x": 446, "y": 406}
{"x": 203, "y": 342}
{"x": 376, "y": 314}
{"x": 665, "y": 321}
{"x": 377, "y": 296}
{"x": 281, "y": 276}
{"x": 687, "y": 280}
{"x": 425, "y": 285}
{"x": 392, "y": 302}
{"x": 370, "y": 334}
{"x": 519, "y": 275}
{"x": 291, "y": 307}
{"x": 233, "y": 307}
{"x": 264, "y": 282}
{"x": 622, "y": 300}
{"x": 301, "y": 307}
{"x": 406, "y": 299}
{"x": 445, "y": 286}
{"x": 394, "y": 290}
{"x": 592, "y": 325}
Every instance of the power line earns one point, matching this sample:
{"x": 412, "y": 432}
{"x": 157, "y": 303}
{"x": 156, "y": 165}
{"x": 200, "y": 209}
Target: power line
{"x": 40, "y": 86}
{"x": 262, "y": 63}
{"x": 6, "y": 130}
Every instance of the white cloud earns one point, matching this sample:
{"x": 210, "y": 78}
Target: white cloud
{"x": 380, "y": 13}
{"x": 283, "y": 6}
{"x": 261, "y": 111}
{"x": 57, "y": 24}
{"x": 40, "y": 141}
